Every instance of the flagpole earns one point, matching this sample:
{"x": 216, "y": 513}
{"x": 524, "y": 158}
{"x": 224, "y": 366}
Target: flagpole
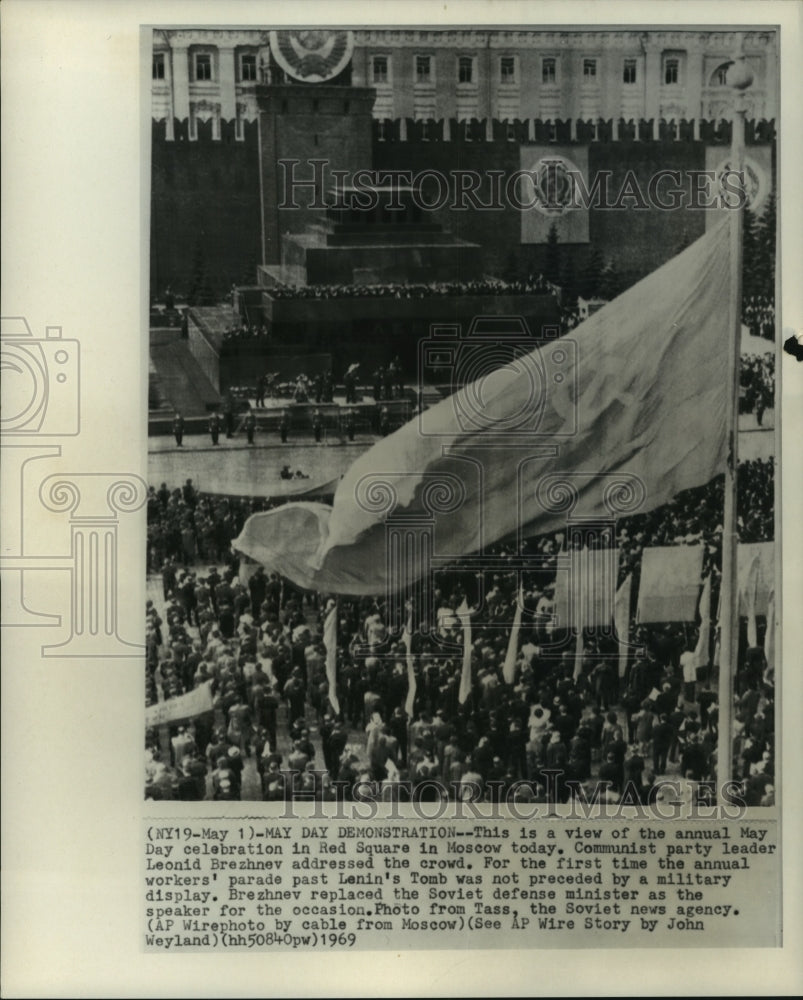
{"x": 739, "y": 78}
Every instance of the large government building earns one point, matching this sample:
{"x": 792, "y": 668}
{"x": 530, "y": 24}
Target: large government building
{"x": 465, "y": 75}
{"x": 252, "y": 129}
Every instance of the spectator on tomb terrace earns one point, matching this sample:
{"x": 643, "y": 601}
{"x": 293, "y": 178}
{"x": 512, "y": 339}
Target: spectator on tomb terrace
{"x": 757, "y": 385}
{"x": 758, "y": 314}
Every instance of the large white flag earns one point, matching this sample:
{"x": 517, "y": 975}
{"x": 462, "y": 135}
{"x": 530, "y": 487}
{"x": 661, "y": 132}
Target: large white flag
{"x": 509, "y": 668}
{"x": 756, "y": 575}
{"x": 412, "y": 684}
{"x": 621, "y": 620}
{"x": 702, "y": 649}
{"x": 769, "y": 638}
{"x": 749, "y": 597}
{"x": 464, "y": 614}
{"x": 626, "y": 393}
{"x": 669, "y": 588}
{"x": 330, "y": 642}
{"x": 579, "y": 652}
{"x": 584, "y": 590}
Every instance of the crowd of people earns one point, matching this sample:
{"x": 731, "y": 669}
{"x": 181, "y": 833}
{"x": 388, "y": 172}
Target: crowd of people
{"x": 535, "y": 284}
{"x": 245, "y": 330}
{"x": 185, "y": 525}
{"x": 273, "y": 726}
{"x": 757, "y": 385}
{"x": 758, "y": 315}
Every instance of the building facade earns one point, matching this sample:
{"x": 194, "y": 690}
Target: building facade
{"x": 464, "y": 74}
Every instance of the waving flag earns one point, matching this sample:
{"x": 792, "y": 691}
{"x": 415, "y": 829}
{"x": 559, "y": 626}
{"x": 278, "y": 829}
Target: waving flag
{"x": 412, "y": 684}
{"x": 769, "y": 638}
{"x": 638, "y": 380}
{"x": 702, "y": 650}
{"x": 509, "y": 668}
{"x": 464, "y": 615}
{"x": 621, "y": 620}
{"x": 330, "y": 642}
{"x": 670, "y": 583}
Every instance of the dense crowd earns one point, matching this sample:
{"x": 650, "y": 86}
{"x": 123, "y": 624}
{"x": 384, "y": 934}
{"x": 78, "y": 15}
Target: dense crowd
{"x": 246, "y": 330}
{"x": 758, "y": 315}
{"x": 536, "y": 284}
{"x": 184, "y": 525}
{"x": 757, "y": 382}
{"x": 260, "y": 644}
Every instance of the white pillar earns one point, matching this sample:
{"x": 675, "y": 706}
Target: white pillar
{"x": 181, "y": 82}
{"x": 228, "y": 83}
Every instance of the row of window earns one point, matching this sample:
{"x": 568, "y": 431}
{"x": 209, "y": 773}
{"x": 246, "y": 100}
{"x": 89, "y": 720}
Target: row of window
{"x": 203, "y": 69}
{"x": 508, "y": 70}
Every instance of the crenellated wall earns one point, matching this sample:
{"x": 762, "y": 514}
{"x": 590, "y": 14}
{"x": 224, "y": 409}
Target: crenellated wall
{"x": 205, "y": 228}
{"x": 206, "y": 232}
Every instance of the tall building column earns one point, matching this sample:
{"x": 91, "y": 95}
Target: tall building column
{"x": 180, "y": 60}
{"x": 652, "y": 83}
{"x": 228, "y": 83}
{"x": 694, "y": 83}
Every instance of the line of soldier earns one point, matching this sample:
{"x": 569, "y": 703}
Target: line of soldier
{"x": 218, "y": 422}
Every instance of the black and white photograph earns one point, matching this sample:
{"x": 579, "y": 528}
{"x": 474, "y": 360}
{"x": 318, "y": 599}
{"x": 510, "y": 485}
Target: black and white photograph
{"x": 428, "y": 378}
{"x": 452, "y": 478}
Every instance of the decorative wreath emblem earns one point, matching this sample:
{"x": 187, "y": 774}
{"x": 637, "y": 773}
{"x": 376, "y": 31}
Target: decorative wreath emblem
{"x": 312, "y": 55}
{"x": 555, "y": 185}
{"x": 756, "y": 184}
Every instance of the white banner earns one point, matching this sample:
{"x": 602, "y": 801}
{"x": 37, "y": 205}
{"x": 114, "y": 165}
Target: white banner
{"x": 585, "y": 591}
{"x": 184, "y": 707}
{"x": 762, "y": 583}
{"x": 670, "y": 583}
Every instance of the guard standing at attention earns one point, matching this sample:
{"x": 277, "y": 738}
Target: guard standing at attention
{"x": 178, "y": 429}
{"x": 214, "y": 427}
{"x": 250, "y": 426}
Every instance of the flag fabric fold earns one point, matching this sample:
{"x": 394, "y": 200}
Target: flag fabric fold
{"x": 330, "y": 643}
{"x": 637, "y": 381}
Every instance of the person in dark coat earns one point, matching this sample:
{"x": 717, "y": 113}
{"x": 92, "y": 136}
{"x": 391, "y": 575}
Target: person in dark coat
{"x": 384, "y": 422}
{"x": 663, "y": 736}
{"x": 214, "y": 427}
{"x": 178, "y": 429}
{"x": 250, "y": 427}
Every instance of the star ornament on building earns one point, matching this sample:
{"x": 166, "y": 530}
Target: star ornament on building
{"x": 312, "y": 55}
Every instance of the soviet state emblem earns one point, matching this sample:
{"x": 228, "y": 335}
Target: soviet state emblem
{"x": 312, "y": 55}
